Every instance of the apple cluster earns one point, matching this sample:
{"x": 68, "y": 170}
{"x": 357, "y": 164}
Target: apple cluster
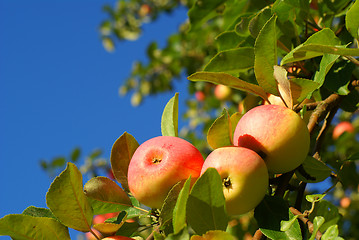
{"x": 267, "y": 139}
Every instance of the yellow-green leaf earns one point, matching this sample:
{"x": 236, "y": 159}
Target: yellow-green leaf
{"x": 68, "y": 202}
{"x": 228, "y": 80}
{"x": 121, "y": 154}
{"x": 22, "y": 226}
{"x": 220, "y": 132}
{"x": 169, "y": 121}
{"x": 106, "y": 196}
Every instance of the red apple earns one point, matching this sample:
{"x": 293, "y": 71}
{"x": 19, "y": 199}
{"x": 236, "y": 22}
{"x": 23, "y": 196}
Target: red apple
{"x": 158, "y": 164}
{"x": 101, "y": 218}
{"x": 345, "y": 202}
{"x": 222, "y": 92}
{"x": 200, "y": 96}
{"x": 341, "y": 128}
{"x": 276, "y": 133}
{"x": 244, "y": 175}
{"x": 117, "y": 238}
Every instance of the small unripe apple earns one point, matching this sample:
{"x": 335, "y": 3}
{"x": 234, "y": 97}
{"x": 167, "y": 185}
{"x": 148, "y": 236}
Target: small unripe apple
{"x": 222, "y": 92}
{"x": 244, "y": 175}
{"x": 341, "y": 128}
{"x": 158, "y": 164}
{"x": 276, "y": 133}
{"x": 117, "y": 238}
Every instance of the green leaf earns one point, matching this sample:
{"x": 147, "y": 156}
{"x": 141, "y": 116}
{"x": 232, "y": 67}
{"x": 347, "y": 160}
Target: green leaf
{"x": 106, "y": 196}
{"x": 352, "y": 20}
{"x": 127, "y": 229}
{"x": 228, "y": 80}
{"x": 327, "y": 210}
{"x": 286, "y": 225}
{"x": 67, "y": 200}
{"x": 353, "y": 157}
{"x": 168, "y": 206}
{"x": 75, "y": 154}
{"x": 231, "y": 61}
{"x": 314, "y": 197}
{"x": 316, "y": 45}
{"x": 202, "y": 11}
{"x": 228, "y": 40}
{"x": 317, "y": 222}
{"x": 214, "y": 235}
{"x": 121, "y": 154}
{"x": 339, "y": 77}
{"x": 325, "y": 64}
{"x": 313, "y": 171}
{"x": 179, "y": 211}
{"x": 257, "y": 22}
{"x": 220, "y": 132}
{"x": 265, "y": 50}
{"x": 269, "y": 215}
{"x": 22, "y": 226}
{"x": 302, "y": 88}
{"x": 169, "y": 122}
{"x": 206, "y": 204}
{"x": 181, "y": 235}
{"x": 331, "y": 233}
{"x": 38, "y": 212}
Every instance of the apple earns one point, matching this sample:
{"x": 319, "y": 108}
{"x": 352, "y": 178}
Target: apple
{"x": 158, "y": 164}
{"x": 341, "y": 128}
{"x": 244, "y": 175}
{"x": 345, "y": 202}
{"x": 277, "y": 134}
{"x": 101, "y": 218}
{"x": 200, "y": 96}
{"x": 117, "y": 238}
{"x": 90, "y": 236}
{"x": 222, "y": 92}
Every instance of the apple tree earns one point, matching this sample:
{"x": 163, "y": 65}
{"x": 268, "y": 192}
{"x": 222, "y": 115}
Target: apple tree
{"x": 288, "y": 63}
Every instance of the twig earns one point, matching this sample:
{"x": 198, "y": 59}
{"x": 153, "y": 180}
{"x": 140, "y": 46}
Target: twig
{"x": 258, "y": 235}
{"x": 306, "y": 221}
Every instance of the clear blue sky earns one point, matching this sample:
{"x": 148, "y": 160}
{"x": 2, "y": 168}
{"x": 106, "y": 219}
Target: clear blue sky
{"x": 59, "y": 90}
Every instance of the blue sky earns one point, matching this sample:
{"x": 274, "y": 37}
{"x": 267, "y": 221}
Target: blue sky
{"x": 59, "y": 90}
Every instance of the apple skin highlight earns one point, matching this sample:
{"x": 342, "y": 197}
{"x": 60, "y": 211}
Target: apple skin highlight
{"x": 244, "y": 175}
{"x": 277, "y": 134}
{"x": 158, "y": 164}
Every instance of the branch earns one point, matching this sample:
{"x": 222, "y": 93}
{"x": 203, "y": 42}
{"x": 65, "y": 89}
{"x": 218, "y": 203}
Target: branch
{"x": 306, "y": 221}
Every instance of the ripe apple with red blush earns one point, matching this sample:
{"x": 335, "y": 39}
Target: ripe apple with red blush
{"x": 277, "y": 134}
{"x": 244, "y": 175}
{"x": 160, "y": 163}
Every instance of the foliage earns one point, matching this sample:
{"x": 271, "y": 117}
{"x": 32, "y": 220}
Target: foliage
{"x": 303, "y": 52}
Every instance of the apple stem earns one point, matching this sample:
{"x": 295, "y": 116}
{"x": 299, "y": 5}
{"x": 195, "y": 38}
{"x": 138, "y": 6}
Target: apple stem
{"x": 95, "y": 235}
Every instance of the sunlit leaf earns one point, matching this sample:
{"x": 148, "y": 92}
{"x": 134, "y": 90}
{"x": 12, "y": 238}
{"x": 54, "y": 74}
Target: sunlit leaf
{"x": 317, "y": 222}
{"x": 169, "y": 121}
{"x": 179, "y": 211}
{"x": 331, "y": 233}
{"x": 121, "y": 154}
{"x": 352, "y": 20}
{"x": 302, "y": 88}
{"x": 108, "y": 228}
{"x": 220, "y": 132}
{"x": 265, "y": 50}
{"x": 228, "y": 80}
{"x": 284, "y": 86}
{"x": 314, "y": 197}
{"x": 25, "y": 227}
{"x": 106, "y": 196}
{"x": 206, "y": 204}
{"x": 67, "y": 200}
{"x": 327, "y": 210}
{"x": 214, "y": 235}
{"x": 38, "y": 212}
{"x": 231, "y": 61}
